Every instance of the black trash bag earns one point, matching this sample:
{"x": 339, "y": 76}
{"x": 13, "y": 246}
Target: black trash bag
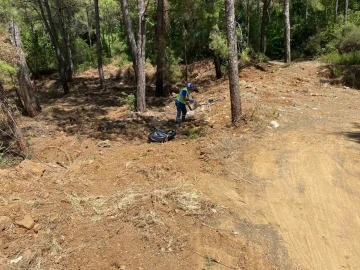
{"x": 161, "y": 135}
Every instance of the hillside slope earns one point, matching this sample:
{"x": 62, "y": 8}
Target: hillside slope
{"x": 217, "y": 197}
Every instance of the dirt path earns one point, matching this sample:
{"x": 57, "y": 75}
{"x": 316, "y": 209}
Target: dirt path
{"x": 215, "y": 198}
{"x": 303, "y": 203}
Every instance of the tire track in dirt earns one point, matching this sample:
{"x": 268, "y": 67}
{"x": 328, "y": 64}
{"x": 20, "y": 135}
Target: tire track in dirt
{"x": 302, "y": 203}
{"x": 314, "y": 212}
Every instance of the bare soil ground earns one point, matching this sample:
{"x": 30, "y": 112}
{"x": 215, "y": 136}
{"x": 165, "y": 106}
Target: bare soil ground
{"x": 216, "y": 197}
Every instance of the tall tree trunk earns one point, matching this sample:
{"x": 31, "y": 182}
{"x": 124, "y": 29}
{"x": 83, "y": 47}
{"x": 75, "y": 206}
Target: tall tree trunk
{"x": 306, "y": 11}
{"x": 141, "y": 82}
{"x": 69, "y": 67}
{"x": 336, "y": 10}
{"x": 129, "y": 33}
{"x": 137, "y": 50}
{"x": 287, "y": 31}
{"x": 248, "y": 22}
{"x": 160, "y": 40}
{"x": 264, "y": 22}
{"x": 68, "y": 61}
{"x": 346, "y": 10}
{"x": 89, "y": 25}
{"x": 49, "y": 24}
{"x": 217, "y": 62}
{"x": 26, "y": 90}
{"x": 184, "y": 35}
{"x": 10, "y": 122}
{"x": 98, "y": 45}
{"x": 236, "y": 112}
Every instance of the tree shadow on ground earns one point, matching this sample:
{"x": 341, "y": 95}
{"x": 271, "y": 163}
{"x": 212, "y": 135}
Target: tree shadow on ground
{"x": 341, "y": 74}
{"x": 353, "y": 135}
{"x": 105, "y": 114}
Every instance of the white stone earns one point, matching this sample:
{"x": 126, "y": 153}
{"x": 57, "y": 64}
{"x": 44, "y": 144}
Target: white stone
{"x": 274, "y": 124}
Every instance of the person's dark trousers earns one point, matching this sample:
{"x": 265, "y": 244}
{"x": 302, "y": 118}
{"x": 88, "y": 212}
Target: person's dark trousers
{"x": 181, "y": 111}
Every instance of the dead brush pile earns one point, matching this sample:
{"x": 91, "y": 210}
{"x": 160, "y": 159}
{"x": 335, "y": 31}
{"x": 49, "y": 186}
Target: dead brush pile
{"x": 141, "y": 208}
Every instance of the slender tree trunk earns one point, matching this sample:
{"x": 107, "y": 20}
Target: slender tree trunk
{"x": 66, "y": 41}
{"x": 26, "y": 90}
{"x": 186, "y": 62}
{"x": 98, "y": 45}
{"x": 264, "y": 22}
{"x": 69, "y": 61}
{"x": 346, "y": 10}
{"x": 336, "y": 10}
{"x": 248, "y": 22}
{"x": 141, "y": 82}
{"x": 137, "y": 50}
{"x": 89, "y": 26}
{"x": 236, "y": 112}
{"x": 306, "y": 11}
{"x": 10, "y": 122}
{"x": 130, "y": 33}
{"x": 287, "y": 31}
{"x": 160, "y": 40}
{"x": 49, "y": 24}
{"x": 217, "y": 62}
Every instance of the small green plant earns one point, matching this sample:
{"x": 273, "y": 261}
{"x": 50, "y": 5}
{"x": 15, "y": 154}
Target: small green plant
{"x": 336, "y": 72}
{"x": 331, "y": 58}
{"x": 195, "y": 133}
{"x": 245, "y": 55}
{"x": 123, "y": 60}
{"x": 209, "y": 261}
{"x": 129, "y": 100}
{"x": 262, "y": 57}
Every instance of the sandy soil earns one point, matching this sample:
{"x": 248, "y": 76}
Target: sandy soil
{"x": 216, "y": 197}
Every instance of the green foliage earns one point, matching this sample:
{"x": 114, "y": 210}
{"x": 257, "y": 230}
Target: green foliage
{"x": 6, "y": 71}
{"x": 195, "y": 133}
{"x": 350, "y": 40}
{"x": 246, "y": 55}
{"x": 40, "y": 53}
{"x": 119, "y": 48}
{"x": 172, "y": 69}
{"x": 7, "y": 68}
{"x": 261, "y": 57}
{"x": 351, "y": 58}
{"x": 129, "y": 100}
{"x": 336, "y": 72}
{"x": 124, "y": 60}
{"x": 218, "y": 43}
{"x": 84, "y": 56}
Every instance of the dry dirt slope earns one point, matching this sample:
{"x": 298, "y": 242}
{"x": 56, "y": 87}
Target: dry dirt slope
{"x": 217, "y": 197}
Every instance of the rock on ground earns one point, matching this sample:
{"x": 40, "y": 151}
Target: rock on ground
{"x": 27, "y": 222}
{"x": 30, "y": 168}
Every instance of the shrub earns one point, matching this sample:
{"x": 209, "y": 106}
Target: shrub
{"x": 245, "y": 55}
{"x": 351, "y": 40}
{"x": 351, "y": 58}
{"x": 172, "y": 68}
{"x": 40, "y": 54}
{"x": 84, "y": 56}
{"x": 119, "y": 48}
{"x": 129, "y": 100}
{"x": 124, "y": 60}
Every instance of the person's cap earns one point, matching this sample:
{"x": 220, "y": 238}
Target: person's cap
{"x": 190, "y": 86}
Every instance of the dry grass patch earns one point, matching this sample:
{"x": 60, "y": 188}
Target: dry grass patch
{"x": 139, "y": 206}
{"x": 225, "y": 149}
